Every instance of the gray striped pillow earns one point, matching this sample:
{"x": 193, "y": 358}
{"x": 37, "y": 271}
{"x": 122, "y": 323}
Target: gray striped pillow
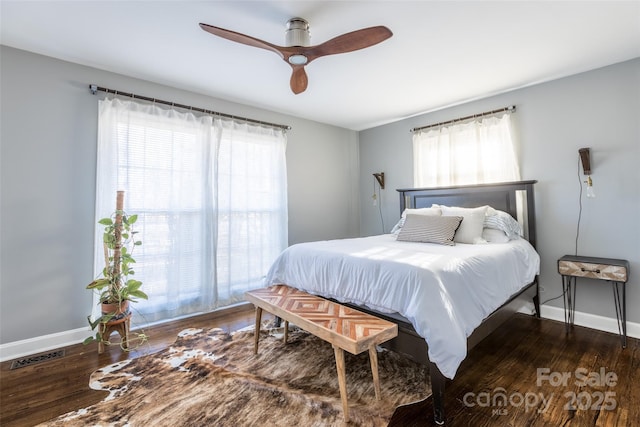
{"x": 500, "y": 220}
{"x": 429, "y": 229}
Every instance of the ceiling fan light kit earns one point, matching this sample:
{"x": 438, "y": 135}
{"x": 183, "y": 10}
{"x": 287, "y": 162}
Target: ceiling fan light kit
{"x": 298, "y": 52}
{"x": 298, "y": 60}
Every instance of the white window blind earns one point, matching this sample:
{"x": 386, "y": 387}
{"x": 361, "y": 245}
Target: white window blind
{"x": 210, "y": 194}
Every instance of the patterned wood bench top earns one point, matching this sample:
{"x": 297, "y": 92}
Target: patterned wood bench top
{"x": 343, "y": 327}
{"x": 349, "y": 329}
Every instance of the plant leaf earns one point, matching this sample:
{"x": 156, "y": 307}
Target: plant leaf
{"x": 98, "y": 283}
{"x": 133, "y": 284}
{"x": 94, "y": 323}
{"x": 139, "y": 294}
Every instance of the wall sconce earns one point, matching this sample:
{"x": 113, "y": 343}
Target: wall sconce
{"x": 585, "y": 158}
{"x": 380, "y": 178}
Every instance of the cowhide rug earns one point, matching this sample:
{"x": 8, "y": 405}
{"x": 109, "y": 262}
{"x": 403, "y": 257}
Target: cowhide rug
{"x": 211, "y": 378}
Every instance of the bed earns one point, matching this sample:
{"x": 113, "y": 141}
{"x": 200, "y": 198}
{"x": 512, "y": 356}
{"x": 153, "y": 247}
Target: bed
{"x": 444, "y": 297}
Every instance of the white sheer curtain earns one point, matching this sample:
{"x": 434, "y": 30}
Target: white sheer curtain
{"x": 211, "y": 198}
{"x": 477, "y": 152}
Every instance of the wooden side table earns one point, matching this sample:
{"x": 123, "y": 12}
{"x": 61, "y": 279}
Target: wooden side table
{"x": 121, "y": 326}
{"x": 615, "y": 271}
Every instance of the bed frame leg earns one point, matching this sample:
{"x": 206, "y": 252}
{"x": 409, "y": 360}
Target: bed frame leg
{"x": 437, "y": 389}
{"x": 536, "y": 298}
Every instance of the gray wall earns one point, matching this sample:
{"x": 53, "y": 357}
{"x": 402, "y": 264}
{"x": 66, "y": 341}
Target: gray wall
{"x": 598, "y": 109}
{"x": 48, "y": 156}
{"x": 47, "y": 179}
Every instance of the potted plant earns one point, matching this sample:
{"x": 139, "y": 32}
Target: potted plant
{"x": 117, "y": 289}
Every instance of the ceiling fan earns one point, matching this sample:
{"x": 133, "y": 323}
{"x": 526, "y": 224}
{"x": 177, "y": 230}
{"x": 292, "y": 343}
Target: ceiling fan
{"x": 298, "y": 51}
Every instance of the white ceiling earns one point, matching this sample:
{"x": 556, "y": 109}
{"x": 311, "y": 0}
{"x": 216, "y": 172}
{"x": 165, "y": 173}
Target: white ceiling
{"x": 442, "y": 52}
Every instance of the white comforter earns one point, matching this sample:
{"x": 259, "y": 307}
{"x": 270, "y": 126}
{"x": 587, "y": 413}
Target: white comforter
{"x": 444, "y": 291}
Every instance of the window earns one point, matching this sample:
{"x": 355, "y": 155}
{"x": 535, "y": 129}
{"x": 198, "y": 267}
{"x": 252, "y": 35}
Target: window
{"x": 477, "y": 152}
{"x": 211, "y": 199}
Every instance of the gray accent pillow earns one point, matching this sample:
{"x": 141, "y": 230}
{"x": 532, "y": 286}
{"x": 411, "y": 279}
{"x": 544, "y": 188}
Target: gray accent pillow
{"x": 418, "y": 211}
{"x": 429, "y": 229}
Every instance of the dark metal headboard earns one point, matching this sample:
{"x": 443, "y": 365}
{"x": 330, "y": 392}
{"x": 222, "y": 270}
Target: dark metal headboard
{"x": 502, "y": 196}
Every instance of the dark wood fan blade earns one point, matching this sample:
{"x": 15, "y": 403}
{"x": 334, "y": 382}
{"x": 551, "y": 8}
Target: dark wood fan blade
{"x": 299, "y": 56}
{"x": 299, "y": 79}
{"x": 242, "y": 38}
{"x": 349, "y": 42}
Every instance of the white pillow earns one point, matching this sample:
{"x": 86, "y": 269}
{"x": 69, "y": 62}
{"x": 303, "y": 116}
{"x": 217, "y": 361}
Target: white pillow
{"x": 470, "y": 230}
{"x": 491, "y": 235}
{"x": 418, "y": 211}
{"x": 422, "y": 211}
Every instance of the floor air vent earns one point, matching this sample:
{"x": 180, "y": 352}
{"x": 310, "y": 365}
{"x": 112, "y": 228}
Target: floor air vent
{"x": 38, "y": 358}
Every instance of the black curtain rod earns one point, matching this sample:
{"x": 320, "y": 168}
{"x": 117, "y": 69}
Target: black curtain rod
{"x": 96, "y": 88}
{"x": 511, "y": 109}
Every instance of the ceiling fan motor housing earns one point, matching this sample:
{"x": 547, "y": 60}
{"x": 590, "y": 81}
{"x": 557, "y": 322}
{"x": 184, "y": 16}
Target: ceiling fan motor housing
{"x": 297, "y": 33}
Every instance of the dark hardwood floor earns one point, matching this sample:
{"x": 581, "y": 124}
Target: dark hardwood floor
{"x": 548, "y": 378}
{"x": 37, "y": 393}
{"x": 532, "y": 363}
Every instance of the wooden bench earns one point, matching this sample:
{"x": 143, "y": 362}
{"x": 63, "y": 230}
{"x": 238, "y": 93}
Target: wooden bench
{"x": 343, "y": 327}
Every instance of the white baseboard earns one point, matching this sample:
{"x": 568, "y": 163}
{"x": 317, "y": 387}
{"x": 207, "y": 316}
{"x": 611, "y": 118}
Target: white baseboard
{"x": 16, "y": 349}
{"x": 31, "y": 346}
{"x": 601, "y": 323}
